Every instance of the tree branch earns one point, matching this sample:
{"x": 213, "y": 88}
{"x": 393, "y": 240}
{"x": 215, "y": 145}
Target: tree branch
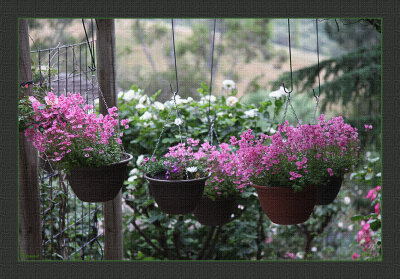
{"x": 206, "y": 243}
{"x": 211, "y": 250}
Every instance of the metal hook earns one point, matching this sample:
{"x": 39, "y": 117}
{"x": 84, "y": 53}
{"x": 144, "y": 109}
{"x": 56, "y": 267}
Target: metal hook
{"x": 284, "y": 88}
{"x": 174, "y": 93}
{"x": 316, "y": 97}
{"x": 290, "y": 61}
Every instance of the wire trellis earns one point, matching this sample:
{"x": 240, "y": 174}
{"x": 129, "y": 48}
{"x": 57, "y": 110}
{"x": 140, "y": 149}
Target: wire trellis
{"x": 71, "y": 229}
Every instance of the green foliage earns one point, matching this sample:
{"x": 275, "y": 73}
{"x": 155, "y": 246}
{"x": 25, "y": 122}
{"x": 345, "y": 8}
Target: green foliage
{"x": 354, "y": 33}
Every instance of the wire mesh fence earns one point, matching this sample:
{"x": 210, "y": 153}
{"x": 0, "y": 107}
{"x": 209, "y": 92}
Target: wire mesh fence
{"x": 71, "y": 229}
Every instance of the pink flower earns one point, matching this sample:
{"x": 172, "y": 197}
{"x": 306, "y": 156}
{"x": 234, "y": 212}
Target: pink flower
{"x": 87, "y": 155}
{"x": 101, "y": 151}
{"x": 330, "y": 171}
{"x": 355, "y": 256}
{"x": 367, "y": 127}
{"x": 294, "y": 175}
{"x": 377, "y": 208}
{"x": 290, "y": 255}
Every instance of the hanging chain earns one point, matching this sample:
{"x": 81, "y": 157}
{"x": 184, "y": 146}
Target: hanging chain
{"x": 319, "y": 81}
{"x": 174, "y": 108}
{"x": 288, "y": 103}
{"x": 211, "y": 123}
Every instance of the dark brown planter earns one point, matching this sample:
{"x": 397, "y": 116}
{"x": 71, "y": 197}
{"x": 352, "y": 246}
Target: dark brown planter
{"x": 176, "y": 196}
{"x": 284, "y": 206}
{"x": 328, "y": 192}
{"x": 99, "y": 184}
{"x": 214, "y": 213}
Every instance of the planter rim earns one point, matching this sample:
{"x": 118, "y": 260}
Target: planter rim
{"x": 175, "y": 181}
{"x": 276, "y": 187}
{"x": 123, "y": 161}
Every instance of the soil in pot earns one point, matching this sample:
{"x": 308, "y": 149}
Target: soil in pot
{"x": 176, "y": 196}
{"x": 284, "y": 206}
{"x": 99, "y": 184}
{"x": 214, "y": 213}
{"x": 328, "y": 192}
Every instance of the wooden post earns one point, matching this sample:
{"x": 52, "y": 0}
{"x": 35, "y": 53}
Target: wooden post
{"x": 30, "y": 233}
{"x": 106, "y": 73}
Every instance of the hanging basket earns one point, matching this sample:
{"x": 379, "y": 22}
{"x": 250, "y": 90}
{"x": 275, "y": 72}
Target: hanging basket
{"x": 214, "y": 213}
{"x": 283, "y": 206}
{"x": 99, "y": 184}
{"x": 176, "y": 196}
{"x": 328, "y": 192}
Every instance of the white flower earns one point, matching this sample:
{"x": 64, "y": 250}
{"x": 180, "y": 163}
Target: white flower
{"x": 340, "y": 224}
{"x": 206, "y": 99}
{"x": 278, "y": 93}
{"x": 350, "y": 228}
{"x": 159, "y": 106}
{"x": 179, "y": 100}
{"x": 314, "y": 249}
{"x": 272, "y": 131}
{"x": 144, "y": 99}
{"x": 251, "y": 113}
{"x": 132, "y": 178}
{"x": 146, "y": 116}
{"x": 241, "y": 207}
{"x": 178, "y": 121}
{"x": 347, "y": 200}
{"x": 300, "y": 255}
{"x": 140, "y": 160}
{"x": 191, "y": 169}
{"x": 120, "y": 94}
{"x": 230, "y": 115}
{"x": 129, "y": 95}
{"x": 140, "y": 106}
{"x": 231, "y": 101}
{"x": 134, "y": 171}
{"x": 219, "y": 114}
{"x": 211, "y": 98}
{"x": 228, "y": 84}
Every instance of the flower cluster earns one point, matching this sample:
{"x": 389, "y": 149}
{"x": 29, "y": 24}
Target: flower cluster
{"x": 226, "y": 179}
{"x": 366, "y": 237}
{"x": 298, "y": 156}
{"x": 67, "y": 132}
{"x": 181, "y": 162}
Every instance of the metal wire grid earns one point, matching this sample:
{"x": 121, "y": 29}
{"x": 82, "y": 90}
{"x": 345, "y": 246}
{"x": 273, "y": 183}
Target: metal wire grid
{"x": 71, "y": 229}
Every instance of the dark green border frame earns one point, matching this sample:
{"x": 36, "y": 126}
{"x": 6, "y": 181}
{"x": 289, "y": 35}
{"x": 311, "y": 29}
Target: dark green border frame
{"x": 389, "y": 11}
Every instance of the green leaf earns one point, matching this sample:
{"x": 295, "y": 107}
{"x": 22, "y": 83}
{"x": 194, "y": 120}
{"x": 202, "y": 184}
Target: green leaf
{"x": 362, "y": 217}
